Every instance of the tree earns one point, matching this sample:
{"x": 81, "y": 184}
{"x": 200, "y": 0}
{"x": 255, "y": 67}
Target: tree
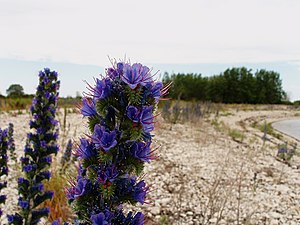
{"x": 15, "y": 90}
{"x": 234, "y": 85}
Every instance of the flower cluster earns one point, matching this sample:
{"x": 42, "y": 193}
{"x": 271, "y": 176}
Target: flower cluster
{"x": 120, "y": 110}
{"x": 3, "y": 162}
{"x": 37, "y": 154}
{"x": 11, "y": 142}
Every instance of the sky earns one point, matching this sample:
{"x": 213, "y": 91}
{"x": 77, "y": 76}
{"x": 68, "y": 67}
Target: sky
{"x": 201, "y": 36}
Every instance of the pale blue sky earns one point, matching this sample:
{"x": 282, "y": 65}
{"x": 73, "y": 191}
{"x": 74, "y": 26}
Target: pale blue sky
{"x": 204, "y": 36}
{"x": 73, "y": 75}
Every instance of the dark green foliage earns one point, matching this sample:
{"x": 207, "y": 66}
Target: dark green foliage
{"x": 235, "y": 85}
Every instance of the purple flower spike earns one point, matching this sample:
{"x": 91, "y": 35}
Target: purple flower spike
{"x": 146, "y": 118}
{"x": 103, "y": 139}
{"x": 88, "y": 107}
{"x": 120, "y": 109}
{"x": 133, "y": 113}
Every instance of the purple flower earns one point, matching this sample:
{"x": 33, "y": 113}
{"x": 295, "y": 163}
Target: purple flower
{"x": 155, "y": 90}
{"x": 133, "y": 113}
{"x": 282, "y": 150}
{"x": 43, "y": 144}
{"x": 40, "y": 187}
{"x": 112, "y": 73}
{"x": 23, "y": 204}
{"x": 10, "y": 218}
{"x": 45, "y": 175}
{"x": 34, "y": 102}
{"x": 102, "y": 89}
{"x": 54, "y": 122}
{"x": 146, "y": 118}
{"x": 47, "y": 159}
{"x": 88, "y": 107}
{"x": 15, "y": 218}
{"x": 47, "y": 94}
{"x": 85, "y": 150}
{"x": 108, "y": 174}
{"x": 46, "y": 80}
{"x": 99, "y": 219}
{"x": 39, "y": 131}
{"x": 111, "y": 173}
{"x": 103, "y": 139}
{"x": 135, "y": 75}
{"x": 140, "y": 191}
{"x": 147, "y": 77}
{"x": 141, "y": 150}
{"x": 70, "y": 192}
{"x": 120, "y": 67}
{"x": 80, "y": 189}
{"x": 23, "y": 181}
{"x": 27, "y": 168}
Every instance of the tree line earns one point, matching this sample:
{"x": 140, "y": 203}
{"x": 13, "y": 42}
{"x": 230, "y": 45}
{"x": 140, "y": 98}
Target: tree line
{"x": 234, "y": 85}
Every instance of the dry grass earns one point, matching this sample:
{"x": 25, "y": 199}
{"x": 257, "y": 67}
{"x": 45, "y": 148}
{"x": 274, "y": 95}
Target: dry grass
{"x": 58, "y": 206}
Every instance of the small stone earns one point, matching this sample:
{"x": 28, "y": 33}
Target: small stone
{"x": 213, "y": 220}
{"x": 275, "y": 215}
{"x": 155, "y": 210}
{"x": 164, "y": 201}
{"x": 189, "y": 213}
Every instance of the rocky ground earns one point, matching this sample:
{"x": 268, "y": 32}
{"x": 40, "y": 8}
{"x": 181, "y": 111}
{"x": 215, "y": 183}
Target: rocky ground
{"x": 215, "y": 170}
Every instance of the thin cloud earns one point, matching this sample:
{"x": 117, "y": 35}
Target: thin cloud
{"x": 194, "y": 31}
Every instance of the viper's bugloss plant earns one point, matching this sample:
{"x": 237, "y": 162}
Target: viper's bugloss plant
{"x": 3, "y": 163}
{"x": 120, "y": 109}
{"x": 11, "y": 143}
{"x": 37, "y": 158}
